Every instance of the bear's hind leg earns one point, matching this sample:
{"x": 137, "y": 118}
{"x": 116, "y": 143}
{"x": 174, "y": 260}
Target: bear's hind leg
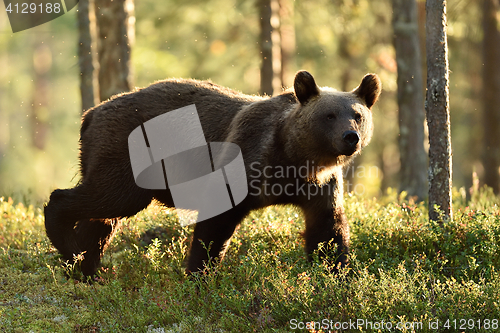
{"x": 93, "y": 208}
{"x": 211, "y": 237}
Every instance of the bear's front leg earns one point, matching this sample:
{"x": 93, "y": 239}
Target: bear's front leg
{"x": 93, "y": 237}
{"x": 329, "y": 228}
{"x": 327, "y": 224}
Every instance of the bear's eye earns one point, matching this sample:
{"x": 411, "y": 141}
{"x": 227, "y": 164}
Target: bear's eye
{"x": 331, "y": 116}
{"x": 357, "y": 117}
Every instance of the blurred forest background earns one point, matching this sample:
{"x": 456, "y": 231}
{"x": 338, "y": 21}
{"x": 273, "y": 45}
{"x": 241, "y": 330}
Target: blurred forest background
{"x": 338, "y": 41}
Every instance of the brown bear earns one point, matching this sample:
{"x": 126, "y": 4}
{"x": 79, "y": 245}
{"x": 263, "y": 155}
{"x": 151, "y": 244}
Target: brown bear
{"x": 294, "y": 146}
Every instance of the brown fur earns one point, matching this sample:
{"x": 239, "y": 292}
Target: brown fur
{"x": 306, "y": 127}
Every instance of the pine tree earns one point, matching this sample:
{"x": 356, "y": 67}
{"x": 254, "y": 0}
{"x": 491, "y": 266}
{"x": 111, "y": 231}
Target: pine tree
{"x": 410, "y": 98}
{"x": 437, "y": 110}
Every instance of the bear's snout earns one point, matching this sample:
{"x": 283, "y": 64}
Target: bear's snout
{"x": 351, "y": 139}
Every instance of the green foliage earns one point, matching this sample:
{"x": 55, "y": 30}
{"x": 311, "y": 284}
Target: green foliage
{"x": 20, "y": 226}
{"x": 403, "y": 233}
{"x": 403, "y": 268}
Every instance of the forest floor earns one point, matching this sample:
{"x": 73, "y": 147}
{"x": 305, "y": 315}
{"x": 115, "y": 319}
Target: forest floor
{"x": 406, "y": 274}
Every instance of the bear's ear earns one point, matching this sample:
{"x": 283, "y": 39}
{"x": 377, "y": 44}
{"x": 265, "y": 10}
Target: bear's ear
{"x": 369, "y": 89}
{"x": 305, "y": 87}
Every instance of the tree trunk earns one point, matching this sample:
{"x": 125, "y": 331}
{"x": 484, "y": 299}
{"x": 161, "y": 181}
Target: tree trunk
{"x": 437, "y": 109}
{"x": 287, "y": 41}
{"x": 86, "y": 54}
{"x": 266, "y": 48}
{"x": 410, "y": 98}
{"x": 115, "y": 24}
{"x": 40, "y": 110}
{"x": 270, "y": 48}
{"x": 491, "y": 93}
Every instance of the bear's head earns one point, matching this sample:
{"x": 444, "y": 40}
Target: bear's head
{"x": 329, "y": 127}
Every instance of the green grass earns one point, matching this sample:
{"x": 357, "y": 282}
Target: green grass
{"x": 403, "y": 269}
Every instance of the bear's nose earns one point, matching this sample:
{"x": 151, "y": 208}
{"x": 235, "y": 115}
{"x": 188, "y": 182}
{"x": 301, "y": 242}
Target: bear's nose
{"x": 351, "y": 138}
